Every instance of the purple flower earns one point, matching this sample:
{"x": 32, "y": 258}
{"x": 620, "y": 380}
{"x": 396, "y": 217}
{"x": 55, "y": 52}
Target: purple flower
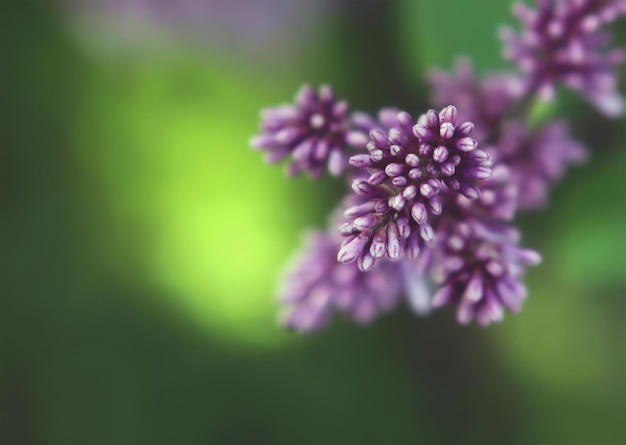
{"x": 537, "y": 160}
{"x": 408, "y": 166}
{"x": 562, "y": 41}
{"x": 498, "y": 198}
{"x": 312, "y": 132}
{"x": 483, "y": 102}
{"x": 316, "y": 286}
{"x": 478, "y": 267}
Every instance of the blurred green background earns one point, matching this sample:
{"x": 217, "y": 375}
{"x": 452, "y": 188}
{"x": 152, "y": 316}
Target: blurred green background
{"x": 141, "y": 239}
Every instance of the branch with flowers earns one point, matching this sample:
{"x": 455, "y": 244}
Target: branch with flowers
{"x": 430, "y": 209}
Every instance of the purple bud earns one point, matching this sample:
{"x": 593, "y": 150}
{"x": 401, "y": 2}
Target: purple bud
{"x": 412, "y": 160}
{"x": 397, "y": 202}
{"x": 455, "y": 243}
{"x": 410, "y": 192}
{"x": 399, "y": 181}
{"x": 351, "y": 249}
{"x": 527, "y": 256}
{"x": 394, "y": 169}
{"x": 426, "y": 232}
{"x": 306, "y": 96}
{"x": 367, "y": 222}
{"x": 365, "y": 262}
{"x": 377, "y": 155}
{"x": 474, "y": 290}
{"x": 465, "y": 129}
{"x": 321, "y": 150}
{"x": 276, "y": 155}
{"x": 303, "y": 150}
{"x": 446, "y": 130}
{"x": 326, "y": 94}
{"x": 362, "y": 188}
{"x": 426, "y": 190}
{"x": 425, "y": 150}
{"x": 347, "y": 229}
{"x": 466, "y": 144}
{"x": 262, "y": 141}
{"x": 447, "y": 169}
{"x": 435, "y": 206}
{"x": 440, "y": 154}
{"x": 396, "y": 150}
{"x": 393, "y": 242}
{"x": 479, "y": 173}
{"x": 453, "y": 183}
{"x": 432, "y": 120}
{"x": 464, "y": 313}
{"x": 404, "y": 230}
{"x": 448, "y": 114}
{"x": 381, "y": 206}
{"x": 418, "y": 212}
{"x": 413, "y": 246}
{"x": 379, "y": 138}
{"x": 377, "y": 178}
{"x": 288, "y": 135}
{"x": 422, "y": 132}
{"x": 379, "y": 243}
{"x": 443, "y": 296}
{"x": 359, "y": 210}
{"x": 432, "y": 169}
{"x": 336, "y": 162}
{"x": 357, "y": 139}
{"x": 469, "y": 191}
{"x": 340, "y": 109}
{"x": 479, "y": 155}
{"x": 415, "y": 173}
{"x": 494, "y": 268}
{"x": 405, "y": 121}
{"x": 360, "y": 161}
{"x": 395, "y": 136}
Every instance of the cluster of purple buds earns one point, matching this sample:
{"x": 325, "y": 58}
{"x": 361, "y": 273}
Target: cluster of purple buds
{"x": 478, "y": 268}
{"x": 562, "y": 41}
{"x": 312, "y": 132}
{"x": 316, "y": 286}
{"x": 428, "y": 216}
{"x": 408, "y": 167}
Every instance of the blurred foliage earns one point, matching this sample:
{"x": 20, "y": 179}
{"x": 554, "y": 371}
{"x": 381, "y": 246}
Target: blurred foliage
{"x": 435, "y": 34}
{"x": 141, "y": 240}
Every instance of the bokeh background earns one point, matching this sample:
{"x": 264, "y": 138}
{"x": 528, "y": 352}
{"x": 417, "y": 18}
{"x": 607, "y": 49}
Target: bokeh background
{"x": 141, "y": 239}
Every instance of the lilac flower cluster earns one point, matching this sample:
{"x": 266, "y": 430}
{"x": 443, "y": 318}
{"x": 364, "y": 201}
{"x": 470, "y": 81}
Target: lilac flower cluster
{"x": 312, "y": 132}
{"x": 431, "y": 201}
{"x": 479, "y": 269}
{"x": 408, "y": 167}
{"x": 316, "y": 285}
{"x": 562, "y": 41}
